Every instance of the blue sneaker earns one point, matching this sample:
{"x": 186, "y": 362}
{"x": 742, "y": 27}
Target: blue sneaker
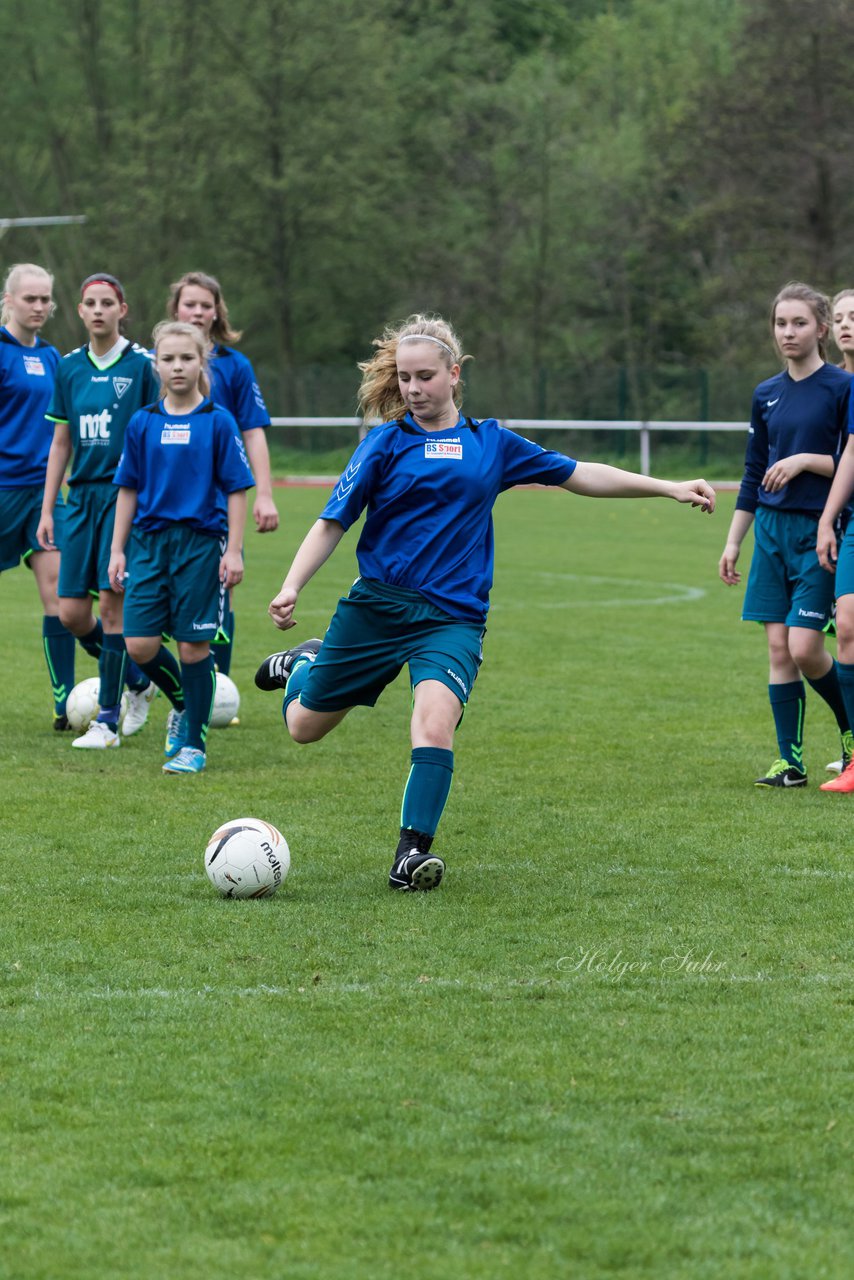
{"x": 176, "y": 733}
{"x": 188, "y": 760}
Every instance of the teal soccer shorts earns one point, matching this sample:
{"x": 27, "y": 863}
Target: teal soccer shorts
{"x": 20, "y": 512}
{"x": 91, "y": 509}
{"x": 378, "y": 629}
{"x": 172, "y": 585}
{"x": 845, "y": 563}
{"x": 786, "y": 582}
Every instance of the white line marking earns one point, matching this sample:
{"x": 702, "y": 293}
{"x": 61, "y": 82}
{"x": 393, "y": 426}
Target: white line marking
{"x": 680, "y": 593}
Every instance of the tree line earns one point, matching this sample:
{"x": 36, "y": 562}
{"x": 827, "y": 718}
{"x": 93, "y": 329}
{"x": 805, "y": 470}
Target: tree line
{"x": 603, "y": 195}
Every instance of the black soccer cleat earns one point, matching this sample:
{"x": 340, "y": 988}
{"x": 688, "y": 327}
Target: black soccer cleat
{"x": 782, "y": 774}
{"x": 414, "y": 867}
{"x": 274, "y": 671}
{"x": 60, "y": 723}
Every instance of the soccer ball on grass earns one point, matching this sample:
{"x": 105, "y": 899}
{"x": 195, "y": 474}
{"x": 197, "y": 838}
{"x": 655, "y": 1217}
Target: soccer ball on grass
{"x": 226, "y": 702}
{"x": 82, "y": 706}
{"x": 247, "y": 858}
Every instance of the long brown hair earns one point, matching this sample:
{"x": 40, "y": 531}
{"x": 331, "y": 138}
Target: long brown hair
{"x": 221, "y": 330}
{"x": 818, "y": 303}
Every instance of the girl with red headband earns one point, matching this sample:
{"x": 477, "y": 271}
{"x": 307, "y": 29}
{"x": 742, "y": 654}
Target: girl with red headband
{"x": 99, "y": 387}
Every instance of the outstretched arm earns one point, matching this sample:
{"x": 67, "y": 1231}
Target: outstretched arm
{"x": 317, "y": 546}
{"x": 596, "y": 480}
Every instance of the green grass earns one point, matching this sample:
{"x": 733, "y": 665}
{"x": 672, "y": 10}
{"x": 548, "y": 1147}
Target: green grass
{"x": 717, "y": 455}
{"x": 345, "y": 1084}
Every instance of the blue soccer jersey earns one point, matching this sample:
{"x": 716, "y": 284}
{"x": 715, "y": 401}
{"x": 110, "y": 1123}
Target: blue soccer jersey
{"x": 235, "y": 387}
{"x": 809, "y": 415}
{"x": 98, "y": 404}
{"x": 26, "y": 386}
{"x": 429, "y": 498}
{"x": 179, "y": 464}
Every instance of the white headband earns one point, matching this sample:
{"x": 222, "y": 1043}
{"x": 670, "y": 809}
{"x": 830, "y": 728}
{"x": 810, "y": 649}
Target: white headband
{"x": 426, "y": 337}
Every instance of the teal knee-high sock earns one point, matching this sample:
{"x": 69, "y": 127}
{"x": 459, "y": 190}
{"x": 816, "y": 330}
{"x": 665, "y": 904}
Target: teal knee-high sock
{"x": 828, "y": 687}
{"x": 166, "y": 674}
{"x": 93, "y": 641}
{"x": 222, "y": 648}
{"x": 788, "y": 702}
{"x": 111, "y": 669}
{"x": 845, "y": 672}
{"x": 199, "y": 681}
{"x": 427, "y": 789}
{"x": 59, "y": 655}
{"x": 296, "y": 681}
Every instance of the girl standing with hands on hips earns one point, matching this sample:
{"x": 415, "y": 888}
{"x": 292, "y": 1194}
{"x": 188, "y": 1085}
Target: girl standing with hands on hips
{"x": 797, "y": 429}
{"x": 429, "y": 478}
{"x": 184, "y": 551}
{"x": 197, "y": 299}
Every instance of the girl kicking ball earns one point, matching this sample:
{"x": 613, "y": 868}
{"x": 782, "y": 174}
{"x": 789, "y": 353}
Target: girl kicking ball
{"x": 184, "y": 549}
{"x": 429, "y": 479}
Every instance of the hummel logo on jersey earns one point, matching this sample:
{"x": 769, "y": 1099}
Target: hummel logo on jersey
{"x": 443, "y": 448}
{"x": 95, "y": 378}
{"x": 176, "y": 433}
{"x": 120, "y": 385}
{"x": 95, "y": 426}
{"x": 347, "y": 481}
{"x": 770, "y": 402}
{"x": 33, "y": 364}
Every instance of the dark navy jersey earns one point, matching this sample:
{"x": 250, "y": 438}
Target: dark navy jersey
{"x": 788, "y": 416}
{"x": 26, "y": 387}
{"x": 429, "y": 498}
{"x": 235, "y": 387}
{"x": 98, "y": 403}
{"x": 179, "y": 464}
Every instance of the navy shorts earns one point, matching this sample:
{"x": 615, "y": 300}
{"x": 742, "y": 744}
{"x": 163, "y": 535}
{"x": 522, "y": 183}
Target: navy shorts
{"x": 20, "y": 513}
{"x": 376, "y": 631}
{"x": 786, "y": 582}
{"x": 91, "y": 510}
{"x": 172, "y": 585}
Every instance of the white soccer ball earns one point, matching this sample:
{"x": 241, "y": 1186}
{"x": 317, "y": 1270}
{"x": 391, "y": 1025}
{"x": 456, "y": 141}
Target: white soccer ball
{"x": 82, "y": 706}
{"x": 247, "y": 858}
{"x": 226, "y": 702}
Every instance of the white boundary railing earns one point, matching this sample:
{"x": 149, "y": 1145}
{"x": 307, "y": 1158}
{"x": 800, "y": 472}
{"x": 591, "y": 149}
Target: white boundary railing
{"x": 644, "y": 429}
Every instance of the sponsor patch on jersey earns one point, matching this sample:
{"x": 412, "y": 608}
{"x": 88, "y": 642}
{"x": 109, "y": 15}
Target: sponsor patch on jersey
{"x": 175, "y": 435}
{"x": 443, "y": 449}
{"x": 120, "y": 385}
{"x": 33, "y": 365}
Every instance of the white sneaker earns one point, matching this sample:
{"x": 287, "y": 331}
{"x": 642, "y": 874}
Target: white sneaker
{"x": 139, "y": 705}
{"x": 98, "y": 737}
{"x": 835, "y": 766}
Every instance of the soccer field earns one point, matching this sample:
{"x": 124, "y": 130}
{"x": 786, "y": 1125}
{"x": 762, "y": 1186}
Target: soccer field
{"x": 615, "y": 1042}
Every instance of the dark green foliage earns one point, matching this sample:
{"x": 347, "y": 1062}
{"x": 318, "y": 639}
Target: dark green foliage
{"x": 595, "y": 192}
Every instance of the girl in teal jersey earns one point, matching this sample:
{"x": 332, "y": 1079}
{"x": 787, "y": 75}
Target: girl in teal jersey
{"x": 27, "y": 371}
{"x": 429, "y": 479}
{"x": 98, "y": 388}
{"x": 798, "y": 424}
